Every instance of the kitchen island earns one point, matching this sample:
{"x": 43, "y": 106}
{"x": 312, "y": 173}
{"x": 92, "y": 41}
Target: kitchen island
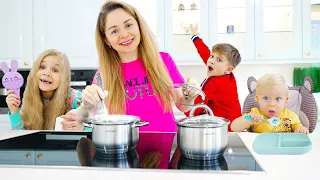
{"x": 274, "y": 167}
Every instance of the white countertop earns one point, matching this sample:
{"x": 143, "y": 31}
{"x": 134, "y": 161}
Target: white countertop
{"x": 8, "y": 133}
{"x": 275, "y": 166}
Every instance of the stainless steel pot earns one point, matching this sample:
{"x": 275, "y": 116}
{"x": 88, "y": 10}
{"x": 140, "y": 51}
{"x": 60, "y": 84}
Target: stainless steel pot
{"x": 115, "y": 134}
{"x": 203, "y": 137}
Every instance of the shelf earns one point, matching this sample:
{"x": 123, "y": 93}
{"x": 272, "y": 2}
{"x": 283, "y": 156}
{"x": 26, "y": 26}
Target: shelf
{"x": 218, "y": 34}
{"x": 232, "y": 33}
{"x": 182, "y": 35}
{"x": 186, "y": 10}
{"x": 232, "y": 8}
{"x": 269, "y": 32}
{"x": 277, "y": 6}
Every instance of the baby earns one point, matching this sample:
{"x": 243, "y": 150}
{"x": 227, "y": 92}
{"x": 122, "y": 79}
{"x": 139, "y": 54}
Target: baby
{"x": 272, "y": 95}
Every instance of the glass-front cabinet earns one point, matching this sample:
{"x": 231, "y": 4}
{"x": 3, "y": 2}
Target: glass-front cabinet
{"x": 179, "y": 14}
{"x": 232, "y": 21}
{"x": 278, "y": 32}
{"x": 311, "y": 29}
{"x": 219, "y": 21}
{"x": 264, "y": 31}
{"x": 153, "y": 15}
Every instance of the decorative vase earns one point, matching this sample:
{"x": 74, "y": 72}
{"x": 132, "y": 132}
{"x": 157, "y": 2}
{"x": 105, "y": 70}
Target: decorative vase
{"x": 181, "y": 6}
{"x": 193, "y": 6}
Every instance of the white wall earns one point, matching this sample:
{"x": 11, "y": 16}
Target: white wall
{"x": 243, "y": 71}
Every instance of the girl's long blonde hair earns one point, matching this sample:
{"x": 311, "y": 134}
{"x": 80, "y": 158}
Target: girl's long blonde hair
{"x": 34, "y": 114}
{"x": 110, "y": 63}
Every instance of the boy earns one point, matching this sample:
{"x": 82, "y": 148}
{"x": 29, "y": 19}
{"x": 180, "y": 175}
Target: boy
{"x": 272, "y": 95}
{"x": 220, "y": 87}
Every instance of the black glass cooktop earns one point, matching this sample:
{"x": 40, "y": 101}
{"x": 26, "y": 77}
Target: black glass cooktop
{"x": 154, "y": 151}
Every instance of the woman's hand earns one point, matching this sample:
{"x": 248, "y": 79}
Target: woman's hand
{"x": 71, "y": 122}
{"x": 185, "y": 96}
{"x": 302, "y": 129}
{"x": 92, "y": 96}
{"x": 13, "y": 102}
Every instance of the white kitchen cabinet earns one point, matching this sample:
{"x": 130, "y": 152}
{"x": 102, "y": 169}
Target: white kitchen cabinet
{"x": 153, "y": 15}
{"x": 311, "y": 29}
{"x": 278, "y": 29}
{"x": 264, "y": 31}
{"x": 237, "y": 16}
{"x": 16, "y": 32}
{"x": 46, "y": 158}
{"x": 177, "y": 34}
{"x": 68, "y": 26}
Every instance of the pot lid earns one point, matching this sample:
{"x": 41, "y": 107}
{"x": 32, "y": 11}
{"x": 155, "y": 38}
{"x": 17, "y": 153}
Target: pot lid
{"x": 115, "y": 119}
{"x": 203, "y": 121}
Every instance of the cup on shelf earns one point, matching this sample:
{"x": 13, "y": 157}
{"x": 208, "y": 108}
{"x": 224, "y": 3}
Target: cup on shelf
{"x": 230, "y": 29}
{"x": 186, "y": 28}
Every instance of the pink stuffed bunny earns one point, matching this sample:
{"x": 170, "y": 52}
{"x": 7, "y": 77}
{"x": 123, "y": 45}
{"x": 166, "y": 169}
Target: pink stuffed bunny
{"x": 12, "y": 80}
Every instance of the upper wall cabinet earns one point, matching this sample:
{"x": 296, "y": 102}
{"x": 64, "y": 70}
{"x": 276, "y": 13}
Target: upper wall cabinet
{"x": 232, "y": 22}
{"x": 311, "y": 29}
{"x": 179, "y": 14}
{"x": 278, "y": 29}
{"x": 264, "y": 31}
{"x": 16, "y": 32}
{"x": 153, "y": 15}
{"x": 68, "y": 26}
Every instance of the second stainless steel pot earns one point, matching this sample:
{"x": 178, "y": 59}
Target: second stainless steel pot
{"x": 114, "y": 134}
{"x": 202, "y": 137}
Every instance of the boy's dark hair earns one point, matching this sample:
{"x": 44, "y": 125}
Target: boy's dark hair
{"x": 230, "y": 52}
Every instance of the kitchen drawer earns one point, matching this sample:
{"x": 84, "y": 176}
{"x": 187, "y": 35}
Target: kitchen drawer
{"x": 57, "y": 158}
{"x": 20, "y": 157}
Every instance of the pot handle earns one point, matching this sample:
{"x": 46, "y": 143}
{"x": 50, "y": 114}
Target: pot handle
{"x": 139, "y": 124}
{"x": 201, "y": 106}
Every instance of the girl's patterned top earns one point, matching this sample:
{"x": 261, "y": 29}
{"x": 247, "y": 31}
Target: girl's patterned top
{"x": 74, "y": 99}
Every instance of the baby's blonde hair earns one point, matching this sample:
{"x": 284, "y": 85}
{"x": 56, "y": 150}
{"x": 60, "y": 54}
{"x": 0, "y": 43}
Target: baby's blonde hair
{"x": 269, "y": 81}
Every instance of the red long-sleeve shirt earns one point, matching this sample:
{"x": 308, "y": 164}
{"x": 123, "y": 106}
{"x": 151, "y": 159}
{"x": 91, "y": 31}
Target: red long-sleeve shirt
{"x": 221, "y": 91}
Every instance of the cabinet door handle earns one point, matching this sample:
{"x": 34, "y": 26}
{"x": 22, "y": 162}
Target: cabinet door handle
{"x": 27, "y": 155}
{"x": 26, "y": 63}
{"x": 308, "y": 53}
{"x": 259, "y": 55}
{"x": 39, "y": 156}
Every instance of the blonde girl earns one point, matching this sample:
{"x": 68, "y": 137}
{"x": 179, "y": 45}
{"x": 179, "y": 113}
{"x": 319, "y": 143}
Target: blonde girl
{"x": 47, "y": 95}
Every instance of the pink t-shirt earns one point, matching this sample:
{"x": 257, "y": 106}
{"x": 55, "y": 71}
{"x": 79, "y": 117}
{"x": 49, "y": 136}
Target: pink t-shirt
{"x": 140, "y": 100}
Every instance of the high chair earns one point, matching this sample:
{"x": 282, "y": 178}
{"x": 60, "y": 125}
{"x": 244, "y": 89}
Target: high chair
{"x": 301, "y": 101}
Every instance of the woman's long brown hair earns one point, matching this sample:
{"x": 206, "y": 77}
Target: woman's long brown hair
{"x": 110, "y": 63}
